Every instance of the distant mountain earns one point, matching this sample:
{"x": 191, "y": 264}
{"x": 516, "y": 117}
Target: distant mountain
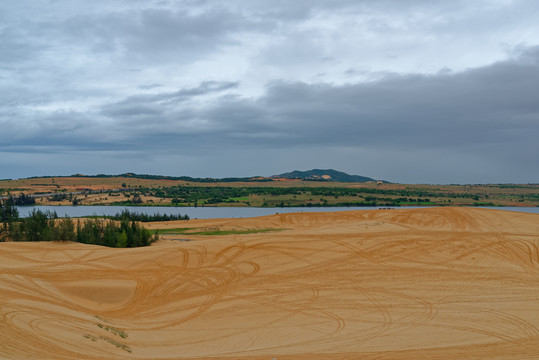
{"x": 310, "y": 175}
{"x": 324, "y": 175}
{"x": 183, "y": 178}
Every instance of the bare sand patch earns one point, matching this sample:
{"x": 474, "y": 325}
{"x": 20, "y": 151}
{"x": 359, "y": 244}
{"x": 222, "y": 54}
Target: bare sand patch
{"x": 99, "y": 294}
{"x": 434, "y": 283}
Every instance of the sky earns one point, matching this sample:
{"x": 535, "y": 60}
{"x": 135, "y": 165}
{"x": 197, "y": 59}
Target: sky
{"x": 409, "y": 91}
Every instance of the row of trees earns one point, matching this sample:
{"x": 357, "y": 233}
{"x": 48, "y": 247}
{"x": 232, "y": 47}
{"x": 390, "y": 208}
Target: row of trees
{"x": 22, "y": 200}
{"x": 46, "y": 226}
{"x": 135, "y": 216}
{"x": 8, "y": 211}
{"x": 216, "y": 194}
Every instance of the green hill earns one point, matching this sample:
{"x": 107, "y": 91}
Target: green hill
{"x": 324, "y": 175}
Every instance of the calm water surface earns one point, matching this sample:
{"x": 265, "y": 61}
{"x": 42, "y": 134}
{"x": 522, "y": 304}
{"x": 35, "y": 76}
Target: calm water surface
{"x": 208, "y": 212}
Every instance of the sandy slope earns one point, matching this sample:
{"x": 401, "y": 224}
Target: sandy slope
{"x": 383, "y": 284}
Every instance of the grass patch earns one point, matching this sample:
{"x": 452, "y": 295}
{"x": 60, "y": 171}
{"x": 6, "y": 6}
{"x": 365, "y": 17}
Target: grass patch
{"x": 193, "y": 231}
{"x": 483, "y": 204}
{"x": 173, "y": 231}
{"x": 114, "y": 331}
{"x": 423, "y": 203}
{"x": 117, "y": 344}
{"x": 234, "y": 232}
{"x": 93, "y": 338}
{"x": 100, "y": 318}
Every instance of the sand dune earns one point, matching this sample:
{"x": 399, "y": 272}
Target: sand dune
{"x": 384, "y": 284}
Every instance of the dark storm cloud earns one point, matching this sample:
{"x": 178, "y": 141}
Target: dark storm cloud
{"x": 494, "y": 105}
{"x": 491, "y": 107}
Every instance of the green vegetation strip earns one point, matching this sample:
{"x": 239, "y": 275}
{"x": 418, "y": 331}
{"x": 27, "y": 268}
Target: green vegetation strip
{"x": 117, "y": 344}
{"x": 114, "y": 331}
{"x": 118, "y": 332}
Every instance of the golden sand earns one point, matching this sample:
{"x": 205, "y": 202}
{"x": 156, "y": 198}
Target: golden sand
{"x": 440, "y": 283}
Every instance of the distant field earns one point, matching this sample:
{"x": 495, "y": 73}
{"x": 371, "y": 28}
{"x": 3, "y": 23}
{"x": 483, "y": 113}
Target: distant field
{"x": 164, "y": 192}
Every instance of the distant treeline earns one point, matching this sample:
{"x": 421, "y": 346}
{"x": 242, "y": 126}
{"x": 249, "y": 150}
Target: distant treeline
{"x": 224, "y": 194}
{"x": 191, "y": 192}
{"x": 182, "y": 178}
{"x": 135, "y": 216}
{"x": 46, "y": 226}
{"x": 23, "y": 200}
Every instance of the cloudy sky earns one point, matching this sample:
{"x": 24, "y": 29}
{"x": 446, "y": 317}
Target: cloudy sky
{"x": 411, "y": 91}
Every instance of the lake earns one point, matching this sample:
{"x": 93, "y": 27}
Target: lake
{"x": 209, "y": 212}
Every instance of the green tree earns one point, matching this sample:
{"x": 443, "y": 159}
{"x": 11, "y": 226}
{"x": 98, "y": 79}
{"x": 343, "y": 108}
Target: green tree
{"x": 8, "y": 211}
{"x": 66, "y": 230}
{"x": 121, "y": 240}
{"x": 35, "y": 225}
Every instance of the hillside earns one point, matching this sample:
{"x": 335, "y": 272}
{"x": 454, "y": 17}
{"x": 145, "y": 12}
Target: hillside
{"x": 324, "y": 175}
{"x": 310, "y": 175}
{"x": 260, "y": 192}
